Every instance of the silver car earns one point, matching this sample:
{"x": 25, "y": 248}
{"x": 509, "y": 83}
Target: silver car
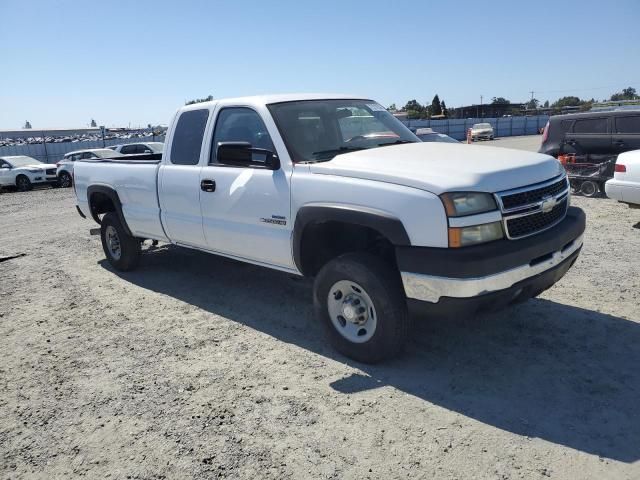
{"x": 481, "y": 131}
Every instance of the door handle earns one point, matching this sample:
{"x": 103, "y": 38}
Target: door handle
{"x": 570, "y": 142}
{"x": 618, "y": 143}
{"x": 208, "y": 185}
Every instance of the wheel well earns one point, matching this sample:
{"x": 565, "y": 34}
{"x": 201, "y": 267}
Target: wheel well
{"x": 323, "y": 241}
{"x": 100, "y": 203}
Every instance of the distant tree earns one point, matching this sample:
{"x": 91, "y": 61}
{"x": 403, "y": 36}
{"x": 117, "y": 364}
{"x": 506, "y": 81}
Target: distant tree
{"x": 445, "y": 111}
{"x": 27, "y": 124}
{"x": 436, "y": 108}
{"x": 414, "y": 109}
{"x": 546, "y": 104}
{"x": 567, "y": 102}
{"x": 199, "y": 100}
{"x": 93, "y": 123}
{"x": 392, "y": 107}
{"x": 500, "y": 101}
{"x": 626, "y": 94}
{"x": 532, "y": 104}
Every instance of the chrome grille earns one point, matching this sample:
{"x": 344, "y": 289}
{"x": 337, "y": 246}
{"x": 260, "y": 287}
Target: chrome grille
{"x": 518, "y": 199}
{"x": 535, "y": 208}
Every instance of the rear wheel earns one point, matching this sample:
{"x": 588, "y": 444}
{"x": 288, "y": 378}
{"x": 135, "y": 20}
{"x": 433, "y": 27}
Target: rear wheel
{"x": 122, "y": 250}
{"x": 360, "y": 302}
{"x": 64, "y": 180}
{"x": 23, "y": 184}
{"x": 589, "y": 188}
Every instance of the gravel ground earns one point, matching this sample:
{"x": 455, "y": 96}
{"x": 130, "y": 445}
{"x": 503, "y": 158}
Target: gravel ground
{"x": 195, "y": 366}
{"x": 530, "y": 143}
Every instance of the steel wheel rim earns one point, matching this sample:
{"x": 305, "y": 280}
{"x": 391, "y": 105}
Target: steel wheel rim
{"x": 113, "y": 242}
{"x": 590, "y": 190}
{"x": 351, "y": 311}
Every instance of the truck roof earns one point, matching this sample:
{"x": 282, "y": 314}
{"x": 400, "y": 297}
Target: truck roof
{"x": 256, "y": 100}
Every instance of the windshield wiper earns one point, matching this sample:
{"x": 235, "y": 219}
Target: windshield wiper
{"x": 397, "y": 142}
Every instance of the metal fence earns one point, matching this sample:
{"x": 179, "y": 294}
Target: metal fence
{"x": 51, "y": 152}
{"x": 502, "y": 127}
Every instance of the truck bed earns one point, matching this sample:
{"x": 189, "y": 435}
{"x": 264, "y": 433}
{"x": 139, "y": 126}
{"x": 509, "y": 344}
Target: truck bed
{"x": 135, "y": 179}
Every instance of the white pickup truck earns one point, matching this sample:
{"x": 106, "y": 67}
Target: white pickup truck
{"x": 336, "y": 188}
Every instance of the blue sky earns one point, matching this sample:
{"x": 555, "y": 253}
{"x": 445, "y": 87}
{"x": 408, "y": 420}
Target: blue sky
{"x": 65, "y": 62}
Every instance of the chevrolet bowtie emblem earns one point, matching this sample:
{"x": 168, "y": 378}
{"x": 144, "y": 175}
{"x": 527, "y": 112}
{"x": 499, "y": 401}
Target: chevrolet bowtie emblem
{"x": 547, "y": 204}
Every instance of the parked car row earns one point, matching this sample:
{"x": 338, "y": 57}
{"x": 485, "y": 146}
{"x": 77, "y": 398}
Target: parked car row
{"x": 22, "y": 172}
{"x": 81, "y": 137}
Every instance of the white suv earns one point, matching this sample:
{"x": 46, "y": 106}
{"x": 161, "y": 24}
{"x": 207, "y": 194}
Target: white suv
{"x": 23, "y": 172}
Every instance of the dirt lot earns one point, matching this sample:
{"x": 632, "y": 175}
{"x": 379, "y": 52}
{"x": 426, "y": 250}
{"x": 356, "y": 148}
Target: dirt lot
{"x": 197, "y": 366}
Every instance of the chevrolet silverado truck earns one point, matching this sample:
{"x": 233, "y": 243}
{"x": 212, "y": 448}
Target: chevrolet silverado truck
{"x": 336, "y": 188}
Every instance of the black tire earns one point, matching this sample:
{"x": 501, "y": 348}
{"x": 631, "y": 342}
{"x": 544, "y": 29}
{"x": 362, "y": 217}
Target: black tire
{"x": 602, "y": 189}
{"x": 383, "y": 286}
{"x": 65, "y": 180}
{"x": 127, "y": 246}
{"x": 589, "y": 188}
{"x": 23, "y": 184}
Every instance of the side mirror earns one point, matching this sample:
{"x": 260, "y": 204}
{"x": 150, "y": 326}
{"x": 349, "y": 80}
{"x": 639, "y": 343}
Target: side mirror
{"x": 242, "y": 154}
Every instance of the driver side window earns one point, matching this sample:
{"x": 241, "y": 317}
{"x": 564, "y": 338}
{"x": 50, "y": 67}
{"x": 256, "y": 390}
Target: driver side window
{"x": 240, "y": 124}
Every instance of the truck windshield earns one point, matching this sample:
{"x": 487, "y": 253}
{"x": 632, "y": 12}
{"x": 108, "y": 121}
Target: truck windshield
{"x": 318, "y": 130}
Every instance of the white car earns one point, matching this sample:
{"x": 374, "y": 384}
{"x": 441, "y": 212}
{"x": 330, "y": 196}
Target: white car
{"x": 481, "y": 131}
{"x": 138, "y": 148}
{"x": 299, "y": 183}
{"x": 23, "y": 172}
{"x": 625, "y": 184}
{"x": 65, "y": 166}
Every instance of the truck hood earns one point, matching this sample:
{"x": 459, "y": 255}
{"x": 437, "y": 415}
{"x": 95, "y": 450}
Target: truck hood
{"x": 444, "y": 167}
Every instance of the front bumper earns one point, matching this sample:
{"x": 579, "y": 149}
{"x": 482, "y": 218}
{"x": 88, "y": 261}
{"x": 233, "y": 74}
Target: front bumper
{"x": 434, "y": 274}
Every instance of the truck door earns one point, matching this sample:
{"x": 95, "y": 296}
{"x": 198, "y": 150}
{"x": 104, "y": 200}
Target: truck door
{"x": 626, "y": 133}
{"x": 179, "y": 180}
{"x": 245, "y": 209}
{"x": 590, "y": 137}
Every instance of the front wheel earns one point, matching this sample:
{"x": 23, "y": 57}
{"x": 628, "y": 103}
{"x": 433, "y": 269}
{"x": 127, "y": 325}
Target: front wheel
{"x": 122, "y": 250}
{"x": 64, "y": 180}
{"x": 360, "y": 302}
{"x": 23, "y": 183}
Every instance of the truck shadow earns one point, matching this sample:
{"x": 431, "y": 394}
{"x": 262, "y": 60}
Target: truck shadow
{"x": 543, "y": 369}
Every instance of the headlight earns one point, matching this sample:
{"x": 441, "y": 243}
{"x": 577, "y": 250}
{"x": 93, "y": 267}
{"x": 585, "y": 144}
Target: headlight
{"x": 459, "y": 204}
{"x": 463, "y": 236}
{"x": 36, "y": 171}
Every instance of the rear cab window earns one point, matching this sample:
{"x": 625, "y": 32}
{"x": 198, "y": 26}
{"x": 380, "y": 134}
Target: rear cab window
{"x": 187, "y": 137}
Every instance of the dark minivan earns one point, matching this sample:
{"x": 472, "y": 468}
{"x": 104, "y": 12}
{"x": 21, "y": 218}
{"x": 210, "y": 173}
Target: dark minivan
{"x": 592, "y": 134}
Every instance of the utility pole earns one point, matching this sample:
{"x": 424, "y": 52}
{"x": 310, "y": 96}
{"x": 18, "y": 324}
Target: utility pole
{"x": 481, "y": 111}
